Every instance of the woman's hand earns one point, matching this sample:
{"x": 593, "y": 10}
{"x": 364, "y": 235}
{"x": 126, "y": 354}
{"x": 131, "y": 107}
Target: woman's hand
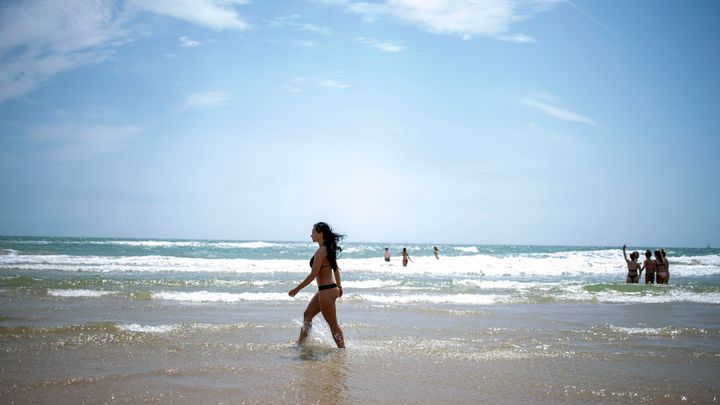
{"x": 340, "y": 289}
{"x": 293, "y": 292}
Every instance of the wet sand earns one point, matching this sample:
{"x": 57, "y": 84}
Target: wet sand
{"x": 119, "y": 351}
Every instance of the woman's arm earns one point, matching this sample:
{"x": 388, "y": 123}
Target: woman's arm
{"x": 625, "y": 254}
{"x": 337, "y": 280}
{"x": 317, "y": 263}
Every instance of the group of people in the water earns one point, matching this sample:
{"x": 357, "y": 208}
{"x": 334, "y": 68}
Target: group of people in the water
{"x": 657, "y": 270}
{"x": 406, "y": 256}
{"x": 325, "y": 270}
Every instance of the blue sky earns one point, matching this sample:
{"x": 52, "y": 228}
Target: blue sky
{"x": 497, "y": 121}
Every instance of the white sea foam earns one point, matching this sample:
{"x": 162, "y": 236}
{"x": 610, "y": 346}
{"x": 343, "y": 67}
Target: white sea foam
{"x": 207, "y": 296}
{"x": 150, "y": 264}
{"x": 505, "y": 284}
{"x": 78, "y": 293}
{"x": 134, "y": 327}
{"x": 245, "y": 245}
{"x": 149, "y": 243}
{"x": 367, "y": 284}
{"x": 681, "y": 296}
{"x": 637, "y": 331}
{"x": 565, "y": 265}
{"x": 467, "y": 249}
{"x": 464, "y": 299}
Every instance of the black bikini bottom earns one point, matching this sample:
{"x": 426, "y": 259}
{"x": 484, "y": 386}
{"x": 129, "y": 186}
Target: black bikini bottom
{"x": 327, "y": 286}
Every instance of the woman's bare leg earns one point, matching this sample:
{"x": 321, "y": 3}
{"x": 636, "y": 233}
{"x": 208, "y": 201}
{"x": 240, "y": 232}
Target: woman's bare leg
{"x": 312, "y": 309}
{"x": 327, "y": 306}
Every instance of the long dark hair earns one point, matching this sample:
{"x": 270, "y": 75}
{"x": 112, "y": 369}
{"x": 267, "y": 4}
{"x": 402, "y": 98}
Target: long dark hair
{"x": 330, "y": 241}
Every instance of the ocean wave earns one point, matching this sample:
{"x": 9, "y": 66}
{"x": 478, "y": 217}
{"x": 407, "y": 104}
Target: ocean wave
{"x": 149, "y": 243}
{"x": 208, "y": 296}
{"x": 477, "y": 262}
{"x": 566, "y": 266}
{"x": 665, "y": 331}
{"x": 505, "y": 284}
{"x": 245, "y": 245}
{"x": 369, "y": 284}
{"x": 674, "y": 296}
{"x": 463, "y": 299}
{"x": 78, "y": 293}
{"x": 134, "y": 327}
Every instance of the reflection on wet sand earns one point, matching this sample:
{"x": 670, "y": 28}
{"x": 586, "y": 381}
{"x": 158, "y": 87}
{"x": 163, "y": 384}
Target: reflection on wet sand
{"x": 323, "y": 376}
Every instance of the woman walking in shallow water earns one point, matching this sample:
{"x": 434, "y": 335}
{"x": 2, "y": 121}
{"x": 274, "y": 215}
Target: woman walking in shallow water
{"x": 323, "y": 268}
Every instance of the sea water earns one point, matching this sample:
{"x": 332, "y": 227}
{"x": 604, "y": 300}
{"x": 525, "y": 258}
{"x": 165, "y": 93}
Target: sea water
{"x": 129, "y": 320}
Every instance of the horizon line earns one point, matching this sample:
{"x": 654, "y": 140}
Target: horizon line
{"x": 630, "y": 247}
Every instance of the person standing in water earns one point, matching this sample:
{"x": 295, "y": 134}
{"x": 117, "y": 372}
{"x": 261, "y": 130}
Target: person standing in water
{"x": 662, "y": 272}
{"x": 633, "y": 266}
{"x": 387, "y": 255}
{"x": 649, "y": 267}
{"x": 324, "y": 269}
{"x": 405, "y": 257}
{"x": 437, "y": 252}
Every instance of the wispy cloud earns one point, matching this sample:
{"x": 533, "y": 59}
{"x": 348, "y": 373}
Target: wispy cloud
{"x": 41, "y": 39}
{"x": 542, "y": 103}
{"x": 187, "y": 42}
{"x": 518, "y": 38}
{"x": 217, "y": 15}
{"x": 203, "y": 100}
{"x": 332, "y": 84}
{"x": 300, "y": 84}
{"x": 466, "y": 18}
{"x": 294, "y": 22}
{"x": 384, "y": 46}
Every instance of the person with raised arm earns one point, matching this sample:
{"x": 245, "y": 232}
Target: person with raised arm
{"x": 633, "y": 266}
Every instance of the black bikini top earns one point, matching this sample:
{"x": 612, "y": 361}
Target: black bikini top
{"x": 312, "y": 259}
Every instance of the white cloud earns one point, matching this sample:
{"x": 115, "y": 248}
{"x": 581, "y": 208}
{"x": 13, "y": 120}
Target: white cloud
{"x": 385, "y": 46}
{"x": 519, "y": 38}
{"x": 332, "y": 84}
{"x": 554, "y": 111}
{"x": 187, "y": 42}
{"x": 43, "y": 38}
{"x": 299, "y": 84}
{"x": 466, "y": 18}
{"x": 217, "y": 15}
{"x": 293, "y": 21}
{"x": 207, "y": 99}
